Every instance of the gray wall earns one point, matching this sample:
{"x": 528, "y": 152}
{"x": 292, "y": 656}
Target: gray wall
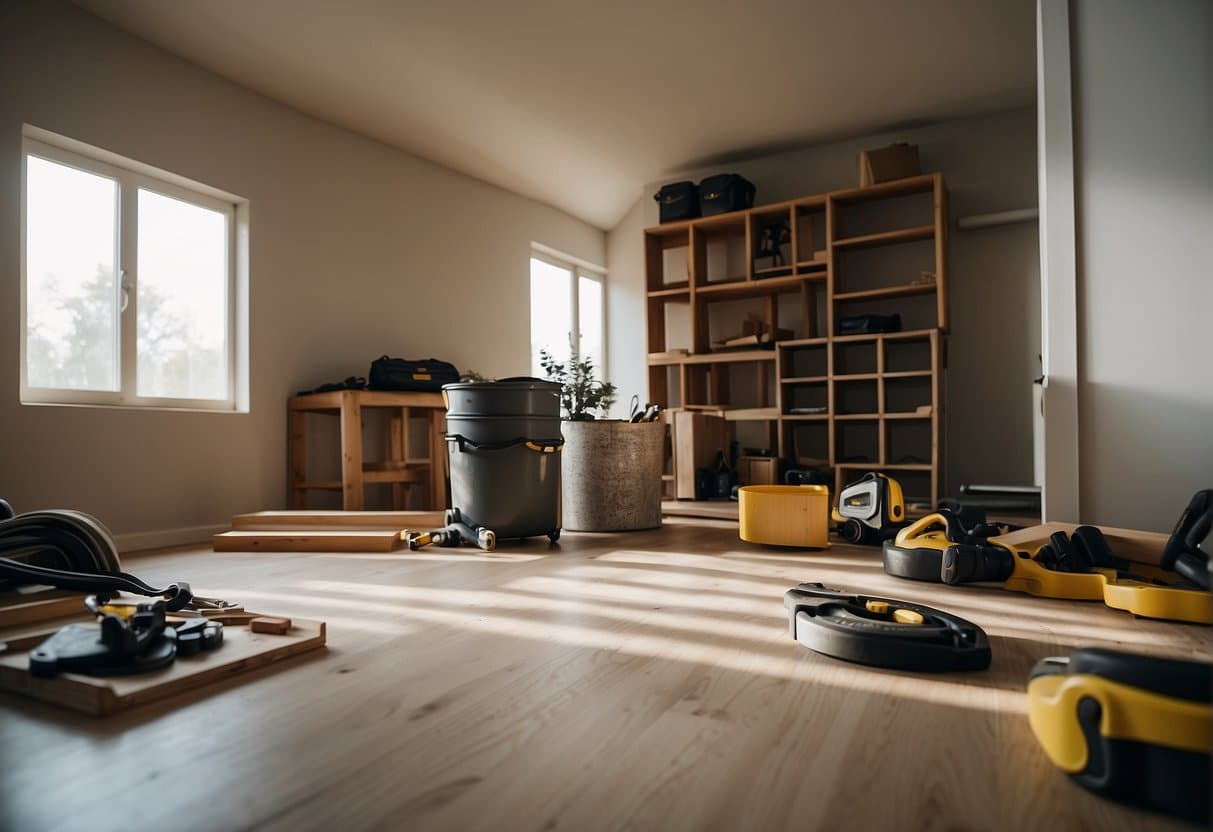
{"x": 989, "y": 164}
{"x": 357, "y": 250}
{"x": 1143, "y": 139}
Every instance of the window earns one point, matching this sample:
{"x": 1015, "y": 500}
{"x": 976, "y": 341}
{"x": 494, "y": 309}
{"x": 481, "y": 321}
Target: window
{"x": 564, "y": 290}
{"x": 131, "y": 289}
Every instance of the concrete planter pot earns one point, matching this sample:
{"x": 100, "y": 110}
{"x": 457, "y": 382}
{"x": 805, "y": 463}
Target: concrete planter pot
{"x": 611, "y": 475}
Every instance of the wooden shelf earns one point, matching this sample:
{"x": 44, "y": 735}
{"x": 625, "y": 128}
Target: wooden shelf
{"x": 907, "y": 416}
{"x": 909, "y": 374}
{"x": 856, "y": 376}
{"x": 773, "y": 271}
{"x": 670, "y": 229}
{"x": 803, "y": 342}
{"x": 812, "y": 264}
{"x": 805, "y": 380}
{"x": 805, "y": 417}
{"x": 657, "y": 360}
{"x": 754, "y": 288}
{"x": 856, "y": 417}
{"x": 899, "y": 187}
{"x": 905, "y": 290}
{"x": 730, "y": 357}
{"x": 876, "y": 466}
{"x": 908, "y": 334}
{"x": 751, "y": 414}
{"x": 671, "y": 292}
{"x": 888, "y": 238}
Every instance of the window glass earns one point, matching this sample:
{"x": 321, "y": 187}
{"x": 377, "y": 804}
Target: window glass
{"x": 182, "y": 300}
{"x": 589, "y": 312}
{"x": 71, "y": 300}
{"x": 551, "y": 312}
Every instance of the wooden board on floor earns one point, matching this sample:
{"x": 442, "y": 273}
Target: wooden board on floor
{"x": 17, "y": 608}
{"x": 241, "y": 651}
{"x": 1131, "y": 544}
{"x": 309, "y": 540}
{"x": 708, "y": 509}
{"x": 291, "y": 520}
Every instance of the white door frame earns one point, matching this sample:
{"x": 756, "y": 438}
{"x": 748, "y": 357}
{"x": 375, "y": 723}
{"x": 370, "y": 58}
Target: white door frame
{"x": 1058, "y": 263}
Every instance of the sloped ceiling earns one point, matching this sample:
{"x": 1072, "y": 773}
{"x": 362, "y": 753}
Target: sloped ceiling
{"x": 578, "y": 104}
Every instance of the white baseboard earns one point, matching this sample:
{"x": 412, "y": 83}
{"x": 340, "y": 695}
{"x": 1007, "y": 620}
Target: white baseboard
{"x": 137, "y": 541}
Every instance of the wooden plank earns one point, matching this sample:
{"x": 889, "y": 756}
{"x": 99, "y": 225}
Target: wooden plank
{"x": 351, "y": 451}
{"x": 701, "y": 509}
{"x": 697, "y": 438}
{"x": 241, "y": 652}
{"x": 1132, "y": 544}
{"x": 297, "y": 455}
{"x": 313, "y": 540}
{"x": 25, "y": 607}
{"x": 352, "y": 520}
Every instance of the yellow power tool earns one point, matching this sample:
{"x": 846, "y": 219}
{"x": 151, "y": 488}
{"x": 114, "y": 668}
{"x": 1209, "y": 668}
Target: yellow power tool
{"x": 870, "y": 510}
{"x": 1078, "y": 566}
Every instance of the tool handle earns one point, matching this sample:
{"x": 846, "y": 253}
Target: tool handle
{"x": 965, "y": 564}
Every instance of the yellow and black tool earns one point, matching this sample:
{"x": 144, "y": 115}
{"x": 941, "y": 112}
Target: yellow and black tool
{"x": 884, "y": 632}
{"x": 870, "y": 510}
{"x": 1132, "y": 728}
{"x": 1078, "y": 566}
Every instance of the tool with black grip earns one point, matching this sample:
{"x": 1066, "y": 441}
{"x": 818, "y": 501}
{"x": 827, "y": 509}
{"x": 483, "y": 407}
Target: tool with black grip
{"x": 884, "y": 632}
{"x": 1129, "y": 727}
{"x": 1077, "y": 566}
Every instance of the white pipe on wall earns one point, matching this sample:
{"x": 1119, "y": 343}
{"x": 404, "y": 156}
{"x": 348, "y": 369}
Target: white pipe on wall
{"x": 1000, "y": 218}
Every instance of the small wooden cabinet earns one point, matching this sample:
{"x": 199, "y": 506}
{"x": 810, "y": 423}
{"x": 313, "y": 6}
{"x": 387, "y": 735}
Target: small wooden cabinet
{"x": 849, "y": 403}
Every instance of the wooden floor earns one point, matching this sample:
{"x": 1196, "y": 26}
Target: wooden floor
{"x": 642, "y": 681}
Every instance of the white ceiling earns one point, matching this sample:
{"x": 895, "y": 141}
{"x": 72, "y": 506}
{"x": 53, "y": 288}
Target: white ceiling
{"x": 578, "y": 104}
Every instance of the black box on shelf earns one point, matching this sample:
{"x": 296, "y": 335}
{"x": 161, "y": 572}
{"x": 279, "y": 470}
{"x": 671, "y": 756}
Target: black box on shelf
{"x": 678, "y": 201}
{"x": 867, "y": 324}
{"x": 725, "y": 192}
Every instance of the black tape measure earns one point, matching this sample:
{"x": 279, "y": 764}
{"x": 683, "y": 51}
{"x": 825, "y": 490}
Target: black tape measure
{"x": 884, "y": 632}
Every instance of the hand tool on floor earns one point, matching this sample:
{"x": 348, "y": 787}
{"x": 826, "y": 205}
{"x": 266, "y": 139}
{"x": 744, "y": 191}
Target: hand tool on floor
{"x": 1129, "y": 727}
{"x": 1079, "y": 566}
{"x": 870, "y": 510}
{"x": 884, "y": 632}
{"x": 456, "y": 531}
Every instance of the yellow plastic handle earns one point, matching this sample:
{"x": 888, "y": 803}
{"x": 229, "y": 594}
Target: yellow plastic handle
{"x": 919, "y": 527}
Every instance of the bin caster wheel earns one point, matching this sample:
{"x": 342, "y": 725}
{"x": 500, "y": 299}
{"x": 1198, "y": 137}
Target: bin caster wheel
{"x": 487, "y": 540}
{"x": 554, "y": 535}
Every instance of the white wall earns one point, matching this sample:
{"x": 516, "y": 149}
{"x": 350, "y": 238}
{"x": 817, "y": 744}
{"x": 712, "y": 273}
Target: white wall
{"x": 357, "y": 250}
{"x": 989, "y": 164}
{"x": 1143, "y": 146}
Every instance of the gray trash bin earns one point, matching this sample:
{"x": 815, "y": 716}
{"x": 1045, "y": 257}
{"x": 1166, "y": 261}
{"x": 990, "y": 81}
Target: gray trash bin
{"x": 504, "y": 443}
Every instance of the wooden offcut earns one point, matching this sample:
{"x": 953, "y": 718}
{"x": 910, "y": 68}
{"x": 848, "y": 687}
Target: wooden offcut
{"x": 310, "y": 540}
{"x": 698, "y": 437}
{"x": 333, "y": 520}
{"x": 270, "y": 624}
{"x": 27, "y": 607}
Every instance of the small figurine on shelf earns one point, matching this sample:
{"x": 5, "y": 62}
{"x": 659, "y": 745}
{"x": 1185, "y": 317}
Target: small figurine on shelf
{"x": 771, "y": 241}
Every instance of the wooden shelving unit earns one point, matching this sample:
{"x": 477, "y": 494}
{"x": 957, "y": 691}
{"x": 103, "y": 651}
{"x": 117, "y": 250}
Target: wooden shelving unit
{"x": 850, "y": 403}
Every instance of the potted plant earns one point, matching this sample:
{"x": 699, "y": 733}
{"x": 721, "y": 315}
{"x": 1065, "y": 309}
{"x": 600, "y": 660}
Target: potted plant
{"x": 611, "y": 468}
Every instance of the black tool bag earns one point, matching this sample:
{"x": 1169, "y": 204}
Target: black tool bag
{"x": 725, "y": 192}
{"x": 678, "y": 201}
{"x": 864, "y": 324}
{"x": 402, "y": 374}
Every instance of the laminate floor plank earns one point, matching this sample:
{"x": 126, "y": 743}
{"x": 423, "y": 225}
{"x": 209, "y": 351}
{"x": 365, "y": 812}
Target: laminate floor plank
{"x": 627, "y": 681}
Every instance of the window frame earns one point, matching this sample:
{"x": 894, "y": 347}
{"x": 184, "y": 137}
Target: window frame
{"x": 130, "y": 177}
{"x": 578, "y": 268}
